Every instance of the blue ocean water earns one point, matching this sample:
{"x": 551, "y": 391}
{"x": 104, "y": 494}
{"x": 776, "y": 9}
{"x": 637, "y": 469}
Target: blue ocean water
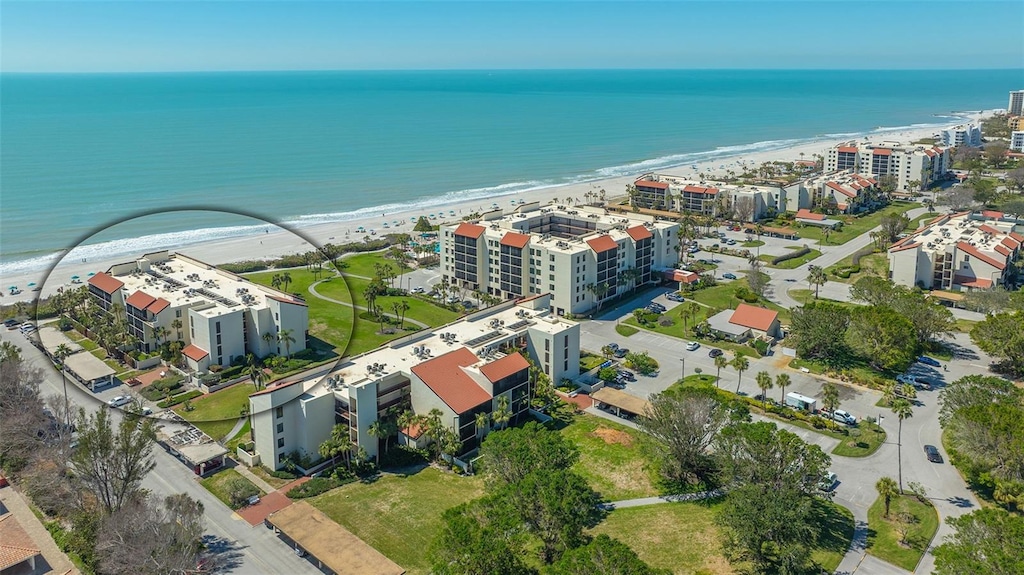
{"x": 80, "y": 151}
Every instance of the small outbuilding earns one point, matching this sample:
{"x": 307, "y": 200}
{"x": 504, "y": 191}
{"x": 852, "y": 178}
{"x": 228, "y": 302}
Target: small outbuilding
{"x": 90, "y": 370}
{"x": 619, "y": 401}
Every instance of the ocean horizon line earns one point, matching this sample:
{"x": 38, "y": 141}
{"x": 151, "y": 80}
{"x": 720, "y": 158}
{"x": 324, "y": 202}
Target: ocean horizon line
{"x": 450, "y": 70}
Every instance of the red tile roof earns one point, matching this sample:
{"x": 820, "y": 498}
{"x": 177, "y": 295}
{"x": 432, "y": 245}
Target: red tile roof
{"x": 899, "y": 248}
{"x": 988, "y": 229}
{"x": 469, "y": 230}
{"x": 680, "y": 276}
{"x": 700, "y": 190}
{"x": 106, "y": 282}
{"x": 140, "y": 300}
{"x": 444, "y": 376}
{"x": 758, "y": 318}
{"x": 515, "y": 240}
{"x": 639, "y": 233}
{"x": 158, "y": 305}
{"x": 283, "y": 299}
{"x": 1017, "y": 236}
{"x": 848, "y": 149}
{"x": 15, "y": 543}
{"x": 1011, "y": 243}
{"x": 992, "y": 214}
{"x": 504, "y": 367}
{"x": 930, "y": 153}
{"x": 601, "y": 244}
{"x": 806, "y": 214}
{"x": 651, "y": 184}
{"x": 881, "y": 152}
{"x": 973, "y": 251}
{"x": 841, "y": 190}
{"x": 414, "y": 431}
{"x": 1003, "y": 250}
{"x": 968, "y": 281}
{"x": 194, "y": 352}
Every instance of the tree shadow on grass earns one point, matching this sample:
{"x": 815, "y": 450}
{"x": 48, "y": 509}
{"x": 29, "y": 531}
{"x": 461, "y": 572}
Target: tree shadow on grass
{"x": 836, "y": 528}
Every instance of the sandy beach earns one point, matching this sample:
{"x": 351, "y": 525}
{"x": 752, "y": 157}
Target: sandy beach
{"x": 279, "y": 241}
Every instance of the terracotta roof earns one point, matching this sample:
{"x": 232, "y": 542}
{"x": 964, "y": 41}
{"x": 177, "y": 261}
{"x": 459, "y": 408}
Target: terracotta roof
{"x": 930, "y": 153}
{"x": 681, "y": 276}
{"x": 988, "y": 229}
{"x": 444, "y": 376}
{"x": 1003, "y": 250}
{"x": 968, "y": 281}
{"x": 106, "y": 282}
{"x": 601, "y": 244}
{"x": 881, "y": 152}
{"x": 515, "y": 240}
{"x": 1017, "y": 236}
{"x": 899, "y": 248}
{"x": 651, "y": 184}
{"x": 140, "y": 300}
{"x": 971, "y": 250}
{"x": 841, "y": 190}
{"x": 639, "y": 233}
{"x": 282, "y": 299}
{"x": 700, "y": 189}
{"x": 414, "y": 431}
{"x": 15, "y": 544}
{"x": 469, "y": 230}
{"x": 759, "y": 318}
{"x": 848, "y": 149}
{"x": 1011, "y": 243}
{"x": 158, "y": 305}
{"x": 194, "y": 352}
{"x": 992, "y": 214}
{"x": 806, "y": 214}
{"x": 842, "y": 206}
{"x": 504, "y": 367}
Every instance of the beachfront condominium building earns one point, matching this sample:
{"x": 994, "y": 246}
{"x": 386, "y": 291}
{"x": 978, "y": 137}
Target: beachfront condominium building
{"x": 476, "y": 365}
{"x": 962, "y": 135}
{"x": 1015, "y": 123}
{"x": 218, "y": 315}
{"x": 1016, "y": 105}
{"x": 843, "y": 191}
{"x": 911, "y": 166}
{"x": 1017, "y": 141}
{"x": 962, "y": 251}
{"x": 557, "y": 249}
{"x": 734, "y": 201}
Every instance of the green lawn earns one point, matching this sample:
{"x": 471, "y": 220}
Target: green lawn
{"x": 329, "y": 322}
{"x": 262, "y": 473}
{"x": 362, "y": 264}
{"x": 589, "y": 361}
{"x": 857, "y": 370}
{"x": 87, "y": 344}
{"x": 217, "y": 484}
{"x": 723, "y": 296}
{"x": 863, "y": 440}
{"x": 419, "y": 309}
{"x": 752, "y": 244}
{"x": 611, "y": 459}
{"x": 399, "y": 515}
{"x": 684, "y": 538}
{"x": 625, "y": 330}
{"x": 217, "y": 413}
{"x": 872, "y": 264}
{"x": 883, "y": 541}
{"x": 790, "y": 264}
{"x": 854, "y": 226}
{"x": 921, "y": 220}
{"x": 806, "y": 296}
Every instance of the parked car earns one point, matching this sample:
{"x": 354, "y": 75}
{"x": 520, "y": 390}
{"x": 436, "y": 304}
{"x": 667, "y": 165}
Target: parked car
{"x": 729, "y": 276}
{"x": 933, "y": 454}
{"x": 675, "y": 297}
{"x": 626, "y": 374}
{"x": 10, "y": 323}
{"x": 929, "y": 361}
{"x": 906, "y": 378}
{"x": 418, "y": 289}
{"x": 119, "y": 401}
{"x": 925, "y": 383}
{"x": 731, "y": 242}
{"x": 620, "y": 352}
{"x": 844, "y": 417}
{"x": 715, "y": 352}
{"x": 656, "y": 305}
{"x": 691, "y": 346}
{"x": 829, "y": 482}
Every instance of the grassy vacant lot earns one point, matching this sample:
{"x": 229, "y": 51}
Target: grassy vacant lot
{"x": 328, "y": 321}
{"x": 723, "y": 296}
{"x": 684, "y": 538}
{"x": 216, "y": 413}
{"x": 806, "y": 296}
{"x": 790, "y": 264}
{"x": 399, "y": 515}
{"x": 362, "y": 264}
{"x": 217, "y": 484}
{"x": 611, "y": 459}
{"x": 853, "y": 226}
{"x": 883, "y": 541}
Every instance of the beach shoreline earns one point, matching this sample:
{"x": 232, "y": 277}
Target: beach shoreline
{"x": 277, "y": 241}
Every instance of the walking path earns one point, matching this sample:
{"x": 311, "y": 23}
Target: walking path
{"x": 244, "y": 471}
{"x": 312, "y": 290}
{"x": 642, "y": 501}
{"x": 16, "y": 505}
{"x": 234, "y": 430}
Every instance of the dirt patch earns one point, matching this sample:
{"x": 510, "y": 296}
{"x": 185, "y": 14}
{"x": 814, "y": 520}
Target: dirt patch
{"x": 613, "y": 436}
{"x": 783, "y": 362}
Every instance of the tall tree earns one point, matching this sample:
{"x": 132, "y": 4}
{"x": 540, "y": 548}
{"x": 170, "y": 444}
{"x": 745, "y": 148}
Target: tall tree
{"x": 285, "y": 336}
{"x": 830, "y": 399}
{"x": 1002, "y": 336}
{"x": 147, "y": 538}
{"x": 902, "y": 409}
{"x": 873, "y": 290}
{"x": 740, "y": 363}
{"x": 816, "y": 277}
{"x": 720, "y": 362}
{"x": 892, "y": 226}
{"x": 680, "y": 428}
{"x": 113, "y": 464}
{"x": 510, "y": 454}
{"x": 478, "y": 538}
{"x": 887, "y": 489}
{"x": 818, "y": 329}
{"x": 603, "y": 556}
{"x": 764, "y": 383}
{"x": 62, "y": 352}
{"x": 883, "y": 337}
{"x": 782, "y": 381}
{"x": 987, "y": 541}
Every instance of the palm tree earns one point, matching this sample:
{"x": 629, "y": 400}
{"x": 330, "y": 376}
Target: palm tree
{"x": 433, "y": 428}
{"x": 285, "y": 336}
{"x": 830, "y": 399}
{"x": 286, "y": 278}
{"x": 740, "y": 363}
{"x": 60, "y": 354}
{"x": 268, "y": 337}
{"x": 338, "y": 443}
{"x": 901, "y": 409}
{"x": 379, "y": 431}
{"x": 256, "y": 373}
{"x": 481, "y": 421}
{"x": 693, "y": 308}
{"x": 816, "y": 278}
{"x": 782, "y": 380}
{"x": 764, "y": 381}
{"x": 177, "y": 325}
{"x": 275, "y": 282}
{"x": 887, "y": 489}
{"x": 503, "y": 414}
{"x": 889, "y": 393}
{"x": 759, "y": 230}
{"x": 720, "y": 362}
{"x": 599, "y": 291}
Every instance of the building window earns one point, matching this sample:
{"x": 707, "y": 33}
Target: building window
{"x": 177, "y": 313}
{"x": 280, "y": 412}
{"x": 280, "y": 428}
{"x": 280, "y": 442}
{"x": 547, "y": 345}
{"x": 217, "y": 327}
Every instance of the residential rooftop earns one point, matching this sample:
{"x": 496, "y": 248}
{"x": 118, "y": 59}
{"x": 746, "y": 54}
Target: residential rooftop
{"x": 991, "y": 238}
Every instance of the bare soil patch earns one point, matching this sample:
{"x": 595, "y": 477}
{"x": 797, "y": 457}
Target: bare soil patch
{"x": 613, "y": 436}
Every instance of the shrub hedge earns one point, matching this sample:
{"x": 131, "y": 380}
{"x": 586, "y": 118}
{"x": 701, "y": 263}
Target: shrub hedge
{"x": 180, "y": 398}
{"x": 864, "y": 251}
{"x": 791, "y": 255}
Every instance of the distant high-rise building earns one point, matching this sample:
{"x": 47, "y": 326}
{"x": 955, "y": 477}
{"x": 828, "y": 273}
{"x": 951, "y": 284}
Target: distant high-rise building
{"x": 1017, "y": 140}
{"x": 1016, "y": 105}
{"x": 962, "y": 135}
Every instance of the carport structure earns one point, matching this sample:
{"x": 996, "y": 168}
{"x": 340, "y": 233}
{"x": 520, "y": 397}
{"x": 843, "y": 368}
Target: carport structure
{"x": 620, "y": 401}
{"x": 330, "y": 546}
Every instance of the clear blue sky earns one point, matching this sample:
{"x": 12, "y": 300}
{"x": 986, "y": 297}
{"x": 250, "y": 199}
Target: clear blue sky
{"x": 231, "y": 35}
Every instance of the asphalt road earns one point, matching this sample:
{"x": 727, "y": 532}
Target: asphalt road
{"x": 240, "y": 548}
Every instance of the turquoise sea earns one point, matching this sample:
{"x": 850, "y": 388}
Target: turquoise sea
{"x": 80, "y": 151}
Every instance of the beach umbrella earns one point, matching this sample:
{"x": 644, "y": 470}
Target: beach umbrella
{"x": 412, "y": 219}
{"x": 30, "y": 284}
{"x": 13, "y": 287}
{"x": 74, "y": 277}
{"x": 92, "y": 274}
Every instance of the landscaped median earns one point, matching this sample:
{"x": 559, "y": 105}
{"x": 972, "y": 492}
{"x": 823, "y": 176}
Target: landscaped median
{"x": 903, "y": 537}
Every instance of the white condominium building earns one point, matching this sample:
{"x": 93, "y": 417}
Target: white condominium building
{"x": 559, "y": 250}
{"x": 217, "y": 314}
{"x": 736, "y": 201}
{"x": 1016, "y": 105}
{"x": 843, "y": 191}
{"x": 957, "y": 252}
{"x": 906, "y": 163}
{"x": 462, "y": 369}
{"x": 1017, "y": 141}
{"x": 962, "y": 135}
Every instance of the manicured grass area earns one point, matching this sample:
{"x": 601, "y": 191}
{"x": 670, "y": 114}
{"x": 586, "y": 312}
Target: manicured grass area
{"x": 217, "y": 484}
{"x": 328, "y": 321}
{"x": 217, "y": 413}
{"x": 723, "y": 296}
{"x": 856, "y": 369}
{"x": 752, "y": 243}
{"x": 419, "y": 309}
{"x": 87, "y": 344}
{"x": 872, "y": 264}
{"x": 883, "y": 540}
{"x": 362, "y": 264}
{"x": 921, "y": 220}
{"x": 863, "y": 440}
{"x": 244, "y": 435}
{"x": 399, "y": 515}
{"x": 677, "y": 328}
{"x": 625, "y": 330}
{"x": 589, "y": 361}
{"x": 965, "y": 325}
{"x": 790, "y": 264}
{"x": 854, "y": 226}
{"x": 611, "y": 459}
{"x": 684, "y": 538}
{"x": 806, "y": 296}
{"x": 262, "y": 473}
